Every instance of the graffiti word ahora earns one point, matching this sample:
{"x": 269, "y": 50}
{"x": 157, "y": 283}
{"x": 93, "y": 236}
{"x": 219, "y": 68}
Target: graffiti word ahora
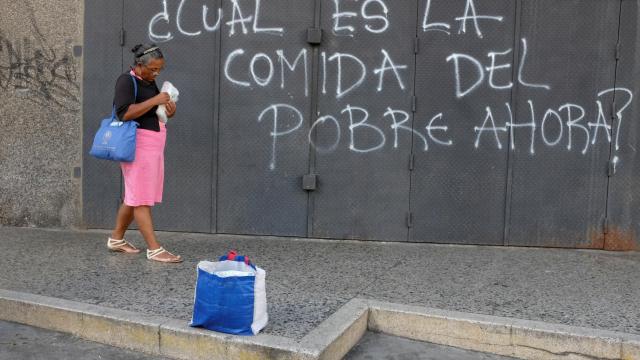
{"x": 568, "y": 124}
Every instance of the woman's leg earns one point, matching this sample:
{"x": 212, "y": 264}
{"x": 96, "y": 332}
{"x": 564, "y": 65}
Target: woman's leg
{"x": 142, "y": 215}
{"x": 123, "y": 220}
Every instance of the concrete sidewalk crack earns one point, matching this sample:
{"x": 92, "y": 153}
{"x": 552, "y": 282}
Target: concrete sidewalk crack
{"x": 160, "y": 339}
{"x": 375, "y": 280}
{"x": 567, "y": 353}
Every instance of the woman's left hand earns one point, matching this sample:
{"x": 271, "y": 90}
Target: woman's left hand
{"x": 171, "y": 108}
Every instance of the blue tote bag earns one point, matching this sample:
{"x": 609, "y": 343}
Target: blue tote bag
{"x": 115, "y": 139}
{"x": 230, "y": 296}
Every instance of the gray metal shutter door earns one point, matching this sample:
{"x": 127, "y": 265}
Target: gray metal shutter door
{"x": 259, "y": 181}
{"x": 458, "y": 190}
{"x": 363, "y": 178}
{"x": 559, "y": 194}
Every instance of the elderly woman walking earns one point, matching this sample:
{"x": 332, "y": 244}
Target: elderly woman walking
{"x": 144, "y": 177}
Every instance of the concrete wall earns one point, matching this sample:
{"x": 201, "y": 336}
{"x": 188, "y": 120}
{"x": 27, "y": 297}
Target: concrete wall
{"x": 40, "y": 112}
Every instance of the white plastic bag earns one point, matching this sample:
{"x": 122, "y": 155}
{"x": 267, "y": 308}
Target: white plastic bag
{"x": 173, "y": 94}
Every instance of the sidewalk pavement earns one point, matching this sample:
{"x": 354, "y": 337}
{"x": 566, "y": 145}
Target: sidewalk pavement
{"x": 385, "y": 347}
{"x": 21, "y": 342}
{"x": 308, "y": 280}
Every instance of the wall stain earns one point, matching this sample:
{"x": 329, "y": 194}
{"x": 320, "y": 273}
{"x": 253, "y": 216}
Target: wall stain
{"x": 619, "y": 239}
{"x": 616, "y": 239}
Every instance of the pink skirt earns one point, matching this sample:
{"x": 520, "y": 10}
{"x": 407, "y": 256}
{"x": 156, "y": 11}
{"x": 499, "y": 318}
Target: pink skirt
{"x": 144, "y": 177}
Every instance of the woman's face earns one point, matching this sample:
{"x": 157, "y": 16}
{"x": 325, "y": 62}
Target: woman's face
{"x": 152, "y": 69}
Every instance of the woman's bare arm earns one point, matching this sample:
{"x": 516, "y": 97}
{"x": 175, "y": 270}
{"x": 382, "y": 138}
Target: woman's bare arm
{"x": 137, "y": 110}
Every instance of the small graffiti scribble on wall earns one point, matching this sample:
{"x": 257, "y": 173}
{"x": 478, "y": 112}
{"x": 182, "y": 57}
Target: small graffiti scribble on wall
{"x": 44, "y": 74}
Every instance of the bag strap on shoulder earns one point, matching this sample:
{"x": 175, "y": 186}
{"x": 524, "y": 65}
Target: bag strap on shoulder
{"x": 135, "y": 88}
{"x": 135, "y": 96}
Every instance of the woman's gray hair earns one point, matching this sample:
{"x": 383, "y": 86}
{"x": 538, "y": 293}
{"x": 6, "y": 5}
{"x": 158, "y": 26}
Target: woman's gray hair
{"x": 144, "y": 53}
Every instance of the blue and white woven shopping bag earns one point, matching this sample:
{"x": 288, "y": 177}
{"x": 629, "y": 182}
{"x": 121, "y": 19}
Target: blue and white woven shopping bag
{"x": 230, "y": 296}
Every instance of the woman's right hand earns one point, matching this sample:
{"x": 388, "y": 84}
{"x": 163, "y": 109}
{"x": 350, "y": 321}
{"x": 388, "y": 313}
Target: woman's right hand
{"x": 162, "y": 98}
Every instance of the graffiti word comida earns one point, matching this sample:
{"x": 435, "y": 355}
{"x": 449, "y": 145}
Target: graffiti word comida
{"x": 264, "y": 69}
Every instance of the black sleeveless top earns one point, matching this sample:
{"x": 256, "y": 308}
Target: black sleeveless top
{"x": 124, "y": 97}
